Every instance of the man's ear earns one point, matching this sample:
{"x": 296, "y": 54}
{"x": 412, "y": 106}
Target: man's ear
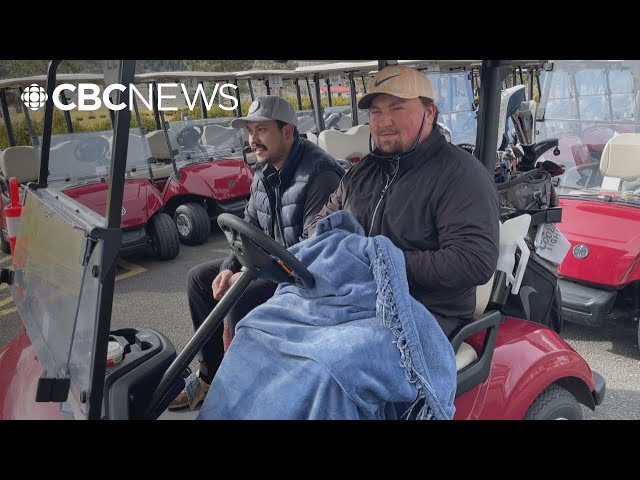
{"x": 431, "y": 112}
{"x": 289, "y": 129}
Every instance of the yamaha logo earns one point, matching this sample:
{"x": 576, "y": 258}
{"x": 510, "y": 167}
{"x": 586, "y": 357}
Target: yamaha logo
{"x": 123, "y": 211}
{"x": 580, "y": 251}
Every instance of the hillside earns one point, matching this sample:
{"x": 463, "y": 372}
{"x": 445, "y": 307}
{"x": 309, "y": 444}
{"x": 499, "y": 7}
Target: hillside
{"x": 25, "y": 68}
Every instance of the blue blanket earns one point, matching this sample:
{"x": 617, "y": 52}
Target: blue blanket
{"x": 355, "y": 346}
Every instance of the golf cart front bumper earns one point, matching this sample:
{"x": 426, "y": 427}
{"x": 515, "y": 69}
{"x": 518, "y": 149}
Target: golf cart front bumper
{"x": 585, "y": 305}
{"x": 234, "y": 206}
{"x": 600, "y": 387}
{"x": 134, "y": 240}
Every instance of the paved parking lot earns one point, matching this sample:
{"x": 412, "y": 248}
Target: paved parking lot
{"x": 151, "y": 293}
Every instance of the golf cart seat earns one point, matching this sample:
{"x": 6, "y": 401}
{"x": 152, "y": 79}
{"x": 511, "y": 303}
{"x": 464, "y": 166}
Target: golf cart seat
{"x": 472, "y": 368}
{"x": 158, "y": 144}
{"x": 21, "y": 162}
{"x": 138, "y": 153}
{"x": 345, "y": 145}
{"x": 312, "y": 137}
{"x": 620, "y": 160}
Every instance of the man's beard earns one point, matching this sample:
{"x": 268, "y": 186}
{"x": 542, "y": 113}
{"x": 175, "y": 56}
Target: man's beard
{"x": 391, "y": 148}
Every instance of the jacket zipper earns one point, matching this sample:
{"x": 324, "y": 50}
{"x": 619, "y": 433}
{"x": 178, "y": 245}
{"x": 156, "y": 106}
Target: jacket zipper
{"x": 272, "y": 203}
{"x": 384, "y": 191}
{"x": 278, "y": 212}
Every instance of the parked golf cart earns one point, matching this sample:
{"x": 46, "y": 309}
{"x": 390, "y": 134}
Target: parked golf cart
{"x": 69, "y": 364}
{"x": 203, "y": 175}
{"x": 78, "y": 164}
{"x": 594, "y": 109}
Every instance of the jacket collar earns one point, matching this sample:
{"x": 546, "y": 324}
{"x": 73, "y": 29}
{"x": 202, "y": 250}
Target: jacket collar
{"x": 285, "y": 174}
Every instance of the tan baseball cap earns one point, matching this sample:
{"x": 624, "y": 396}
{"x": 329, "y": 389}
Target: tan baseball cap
{"x": 402, "y": 82}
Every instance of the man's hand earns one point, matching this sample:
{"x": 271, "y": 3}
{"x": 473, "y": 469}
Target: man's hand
{"x": 222, "y": 282}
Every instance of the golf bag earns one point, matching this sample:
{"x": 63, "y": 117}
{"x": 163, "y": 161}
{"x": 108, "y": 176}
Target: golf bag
{"x": 539, "y": 298}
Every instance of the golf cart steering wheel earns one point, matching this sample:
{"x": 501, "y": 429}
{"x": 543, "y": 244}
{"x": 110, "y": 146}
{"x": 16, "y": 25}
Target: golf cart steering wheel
{"x": 92, "y": 149}
{"x": 262, "y": 254}
{"x": 189, "y": 136}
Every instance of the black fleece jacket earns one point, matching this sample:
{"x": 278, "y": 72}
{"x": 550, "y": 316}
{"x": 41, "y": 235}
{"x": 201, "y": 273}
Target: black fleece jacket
{"x": 440, "y": 206}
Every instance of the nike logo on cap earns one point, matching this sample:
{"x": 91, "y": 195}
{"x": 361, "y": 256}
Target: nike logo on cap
{"x": 380, "y": 82}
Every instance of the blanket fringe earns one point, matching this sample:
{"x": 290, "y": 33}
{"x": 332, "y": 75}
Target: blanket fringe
{"x": 387, "y": 313}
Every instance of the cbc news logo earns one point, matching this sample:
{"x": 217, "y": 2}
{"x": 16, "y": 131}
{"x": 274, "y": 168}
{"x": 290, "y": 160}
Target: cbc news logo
{"x": 89, "y": 96}
{"x": 34, "y": 96}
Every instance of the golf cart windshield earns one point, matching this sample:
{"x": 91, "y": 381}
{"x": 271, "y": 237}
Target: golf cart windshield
{"x": 584, "y": 104}
{"x": 454, "y": 98}
{"x": 86, "y": 156}
{"x": 56, "y": 288}
{"x": 204, "y": 139}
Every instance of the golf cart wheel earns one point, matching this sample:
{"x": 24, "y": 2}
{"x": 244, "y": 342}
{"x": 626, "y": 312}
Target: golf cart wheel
{"x": 554, "y": 403}
{"x": 5, "y": 246}
{"x": 193, "y": 223}
{"x": 164, "y": 236}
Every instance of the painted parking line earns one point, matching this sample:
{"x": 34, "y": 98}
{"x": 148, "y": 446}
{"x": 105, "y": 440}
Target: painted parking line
{"x": 132, "y": 269}
{"x": 8, "y": 311}
{"x": 6, "y": 301}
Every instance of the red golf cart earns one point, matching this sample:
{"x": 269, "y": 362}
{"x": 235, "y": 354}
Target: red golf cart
{"x": 593, "y": 107}
{"x": 205, "y": 170}
{"x": 69, "y": 363}
{"x": 78, "y": 165}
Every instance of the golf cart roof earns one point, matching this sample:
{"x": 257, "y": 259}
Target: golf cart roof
{"x": 181, "y": 75}
{"x": 372, "y": 66}
{"x": 342, "y": 67}
{"x": 42, "y": 79}
{"x": 263, "y": 74}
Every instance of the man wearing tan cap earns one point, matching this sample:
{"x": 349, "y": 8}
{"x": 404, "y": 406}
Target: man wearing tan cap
{"x": 434, "y": 201}
{"x": 293, "y": 180}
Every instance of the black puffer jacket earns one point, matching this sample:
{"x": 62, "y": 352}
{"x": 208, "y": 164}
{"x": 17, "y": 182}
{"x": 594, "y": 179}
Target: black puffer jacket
{"x": 278, "y": 197}
{"x": 440, "y": 206}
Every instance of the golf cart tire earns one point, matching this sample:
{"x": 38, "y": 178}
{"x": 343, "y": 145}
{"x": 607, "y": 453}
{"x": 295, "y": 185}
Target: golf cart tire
{"x": 198, "y": 218}
{"x": 4, "y": 245}
{"x": 165, "y": 238}
{"x": 554, "y": 403}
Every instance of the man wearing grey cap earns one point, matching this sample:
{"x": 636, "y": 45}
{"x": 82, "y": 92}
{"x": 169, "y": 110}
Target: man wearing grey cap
{"x": 293, "y": 180}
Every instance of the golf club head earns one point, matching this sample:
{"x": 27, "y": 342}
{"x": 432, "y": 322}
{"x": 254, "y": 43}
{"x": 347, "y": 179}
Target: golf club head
{"x": 524, "y": 121}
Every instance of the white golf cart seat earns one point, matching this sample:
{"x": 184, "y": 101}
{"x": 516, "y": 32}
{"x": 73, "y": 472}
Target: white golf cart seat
{"x": 345, "y": 145}
{"x": 312, "y": 137}
{"x": 158, "y": 144}
{"x": 512, "y": 234}
{"x": 620, "y": 160}
{"x": 21, "y": 162}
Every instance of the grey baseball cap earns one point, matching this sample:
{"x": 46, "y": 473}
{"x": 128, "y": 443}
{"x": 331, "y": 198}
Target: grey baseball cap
{"x": 265, "y": 108}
